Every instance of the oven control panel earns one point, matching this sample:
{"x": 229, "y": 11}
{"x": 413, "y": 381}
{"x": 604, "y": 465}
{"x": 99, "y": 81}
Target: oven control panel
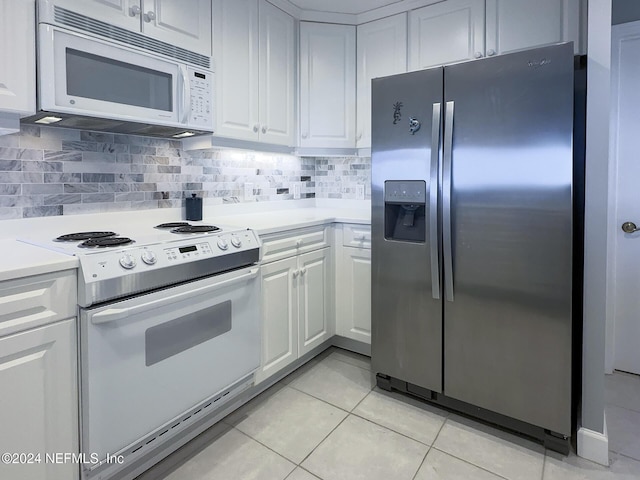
{"x": 198, "y": 250}
{"x": 188, "y": 251}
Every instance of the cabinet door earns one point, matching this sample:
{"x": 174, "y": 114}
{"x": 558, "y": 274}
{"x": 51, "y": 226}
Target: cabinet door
{"x": 518, "y": 24}
{"x": 185, "y": 24}
{"x": 122, "y": 13}
{"x": 276, "y": 75}
{"x": 382, "y": 51}
{"x": 446, "y": 32}
{"x": 279, "y": 316}
{"x": 314, "y": 298}
{"x": 235, "y": 50}
{"x": 39, "y": 402}
{"x": 327, "y": 85}
{"x": 18, "y": 58}
{"x": 353, "y": 295}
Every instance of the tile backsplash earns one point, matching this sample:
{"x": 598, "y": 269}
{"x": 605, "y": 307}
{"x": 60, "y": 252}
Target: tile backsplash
{"x": 46, "y": 171}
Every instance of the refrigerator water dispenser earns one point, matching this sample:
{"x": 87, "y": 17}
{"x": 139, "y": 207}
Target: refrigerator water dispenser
{"x": 404, "y": 210}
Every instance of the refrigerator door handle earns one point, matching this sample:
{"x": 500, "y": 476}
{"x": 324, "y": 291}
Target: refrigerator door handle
{"x": 433, "y": 201}
{"x": 446, "y": 201}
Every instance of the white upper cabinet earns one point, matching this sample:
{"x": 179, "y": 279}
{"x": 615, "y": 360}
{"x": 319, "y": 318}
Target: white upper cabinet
{"x": 327, "y": 85}
{"x": 447, "y": 32}
{"x": 185, "y": 23}
{"x": 253, "y": 49}
{"x": 235, "y": 52}
{"x": 17, "y": 60}
{"x": 277, "y": 65}
{"x": 518, "y": 24}
{"x": 381, "y": 51}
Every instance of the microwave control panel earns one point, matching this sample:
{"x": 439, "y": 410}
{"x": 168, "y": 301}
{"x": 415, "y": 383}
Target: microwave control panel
{"x": 201, "y": 87}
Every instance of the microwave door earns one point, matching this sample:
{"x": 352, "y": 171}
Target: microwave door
{"x": 84, "y": 76}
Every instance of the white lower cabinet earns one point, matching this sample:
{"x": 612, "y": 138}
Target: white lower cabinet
{"x": 353, "y": 283}
{"x": 297, "y": 301}
{"x": 39, "y": 403}
{"x": 353, "y": 295}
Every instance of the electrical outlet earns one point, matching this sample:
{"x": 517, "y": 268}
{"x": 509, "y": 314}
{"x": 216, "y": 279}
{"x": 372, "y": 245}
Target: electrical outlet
{"x": 359, "y": 192}
{"x": 248, "y": 191}
{"x": 296, "y": 190}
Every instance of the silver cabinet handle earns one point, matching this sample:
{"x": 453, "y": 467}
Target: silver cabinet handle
{"x": 446, "y": 201}
{"x": 264, "y": 129}
{"x": 298, "y": 242}
{"x": 433, "y": 201}
{"x": 491, "y": 52}
{"x": 629, "y": 227}
{"x": 303, "y": 271}
{"x": 304, "y": 135}
{"x": 295, "y": 273}
{"x": 256, "y": 127}
{"x": 359, "y": 137}
{"x": 135, "y": 11}
{"x": 478, "y": 55}
{"x": 149, "y": 16}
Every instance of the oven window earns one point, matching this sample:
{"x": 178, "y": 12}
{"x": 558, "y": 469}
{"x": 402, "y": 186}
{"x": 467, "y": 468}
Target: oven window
{"x": 101, "y": 78}
{"x": 170, "y": 338}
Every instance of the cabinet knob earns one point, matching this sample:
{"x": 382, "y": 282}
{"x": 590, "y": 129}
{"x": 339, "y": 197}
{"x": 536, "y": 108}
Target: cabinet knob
{"x": 256, "y": 127}
{"x": 478, "y": 55}
{"x": 491, "y": 52}
{"x": 298, "y": 242}
{"x": 304, "y": 135}
{"x": 294, "y": 273}
{"x": 303, "y": 271}
{"x": 149, "y": 16}
{"x": 362, "y": 237}
{"x": 264, "y": 129}
{"x": 359, "y": 137}
{"x": 135, "y": 11}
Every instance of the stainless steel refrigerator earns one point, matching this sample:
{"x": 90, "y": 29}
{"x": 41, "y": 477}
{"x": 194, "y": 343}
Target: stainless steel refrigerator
{"x": 473, "y": 237}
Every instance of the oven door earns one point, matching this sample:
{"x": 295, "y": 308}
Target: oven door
{"x": 84, "y": 76}
{"x": 148, "y": 359}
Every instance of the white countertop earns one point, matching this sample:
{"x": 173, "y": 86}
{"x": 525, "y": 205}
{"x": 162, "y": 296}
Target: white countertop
{"x": 276, "y": 221}
{"x": 22, "y": 260}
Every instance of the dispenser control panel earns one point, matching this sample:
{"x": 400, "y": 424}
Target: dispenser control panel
{"x": 405, "y": 191}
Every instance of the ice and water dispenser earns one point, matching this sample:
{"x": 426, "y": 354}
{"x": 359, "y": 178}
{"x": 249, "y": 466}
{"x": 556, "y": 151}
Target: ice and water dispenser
{"x": 405, "y": 210}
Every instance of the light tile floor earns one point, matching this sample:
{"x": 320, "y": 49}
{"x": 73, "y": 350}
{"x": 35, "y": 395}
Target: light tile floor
{"x": 327, "y": 421}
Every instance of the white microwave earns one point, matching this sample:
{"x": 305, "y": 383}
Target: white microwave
{"x": 92, "y": 83}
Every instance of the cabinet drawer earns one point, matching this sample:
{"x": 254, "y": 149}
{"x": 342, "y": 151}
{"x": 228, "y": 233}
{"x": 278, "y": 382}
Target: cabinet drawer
{"x": 293, "y": 242}
{"x": 37, "y": 300}
{"x": 356, "y": 236}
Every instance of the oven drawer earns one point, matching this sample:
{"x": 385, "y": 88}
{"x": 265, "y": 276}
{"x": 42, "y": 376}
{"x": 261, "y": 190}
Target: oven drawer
{"x": 37, "y": 300}
{"x": 356, "y": 235}
{"x": 148, "y": 359}
{"x": 294, "y": 242}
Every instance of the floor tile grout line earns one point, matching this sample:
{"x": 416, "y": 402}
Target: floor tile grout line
{"x": 622, "y": 408}
{"x": 321, "y": 399}
{"x": 269, "y": 448}
{"x": 422, "y": 462}
{"x": 544, "y": 463}
{"x": 627, "y": 456}
{"x": 348, "y": 363}
{"x": 469, "y": 462}
{"x": 322, "y": 441}
{"x": 392, "y": 430}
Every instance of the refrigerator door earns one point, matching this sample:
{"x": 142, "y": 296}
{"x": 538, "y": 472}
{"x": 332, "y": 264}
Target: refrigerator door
{"x": 507, "y": 327}
{"x": 406, "y": 279}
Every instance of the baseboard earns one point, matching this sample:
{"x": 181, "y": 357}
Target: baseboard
{"x": 594, "y": 445}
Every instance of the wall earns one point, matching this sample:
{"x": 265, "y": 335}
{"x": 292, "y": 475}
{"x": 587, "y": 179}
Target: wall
{"x": 48, "y": 171}
{"x": 624, "y": 11}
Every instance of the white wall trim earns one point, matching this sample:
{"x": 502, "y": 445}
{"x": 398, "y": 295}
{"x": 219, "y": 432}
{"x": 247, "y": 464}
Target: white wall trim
{"x": 594, "y": 446}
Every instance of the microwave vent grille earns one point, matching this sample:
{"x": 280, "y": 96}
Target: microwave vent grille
{"x": 96, "y": 27}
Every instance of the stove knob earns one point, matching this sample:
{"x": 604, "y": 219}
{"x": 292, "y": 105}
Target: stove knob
{"x": 127, "y": 261}
{"x": 222, "y": 243}
{"x": 149, "y": 257}
{"x": 235, "y": 241}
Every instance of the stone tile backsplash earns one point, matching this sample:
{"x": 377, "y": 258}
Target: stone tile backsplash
{"x": 46, "y": 171}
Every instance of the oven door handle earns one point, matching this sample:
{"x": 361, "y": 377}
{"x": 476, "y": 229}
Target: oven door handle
{"x": 115, "y": 314}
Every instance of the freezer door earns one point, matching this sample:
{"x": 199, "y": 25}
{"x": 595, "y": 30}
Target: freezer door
{"x": 507, "y": 328}
{"x": 406, "y": 284}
